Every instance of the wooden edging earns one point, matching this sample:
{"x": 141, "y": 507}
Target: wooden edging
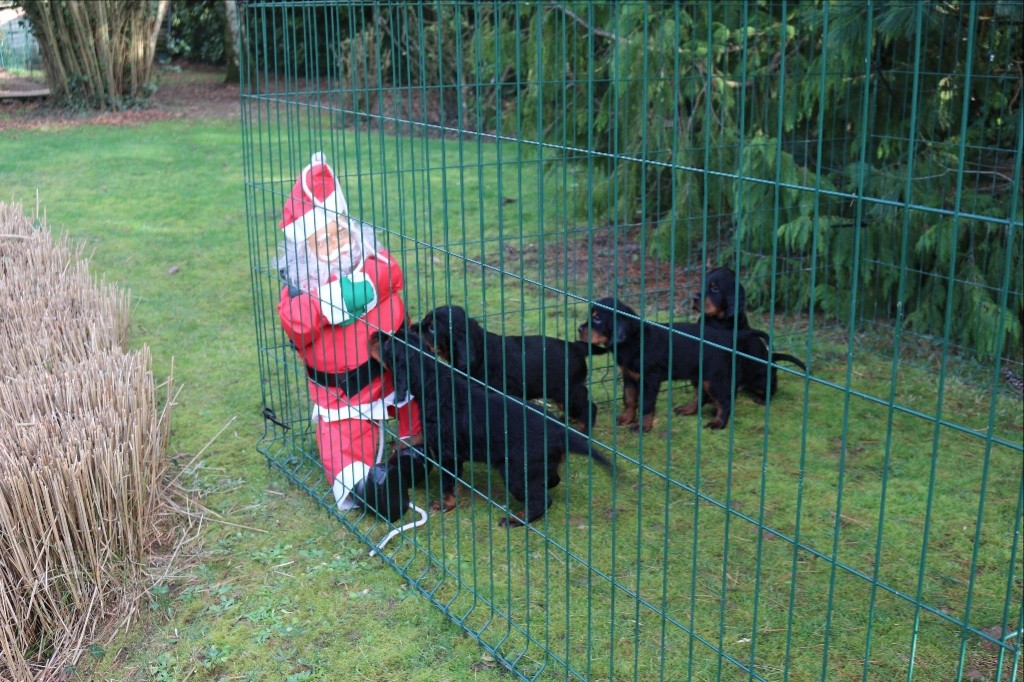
{"x": 24, "y": 94}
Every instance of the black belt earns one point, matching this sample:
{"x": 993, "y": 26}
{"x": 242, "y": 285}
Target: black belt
{"x": 352, "y": 381}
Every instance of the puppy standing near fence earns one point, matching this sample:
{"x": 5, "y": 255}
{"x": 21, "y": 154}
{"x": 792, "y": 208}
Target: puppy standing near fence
{"x": 649, "y": 354}
{"x": 527, "y": 367}
{"x": 463, "y": 422}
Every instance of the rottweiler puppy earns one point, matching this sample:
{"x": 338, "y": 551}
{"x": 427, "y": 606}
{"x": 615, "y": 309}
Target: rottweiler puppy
{"x": 464, "y": 421}
{"x": 722, "y": 302}
{"x": 649, "y": 354}
{"x": 527, "y": 367}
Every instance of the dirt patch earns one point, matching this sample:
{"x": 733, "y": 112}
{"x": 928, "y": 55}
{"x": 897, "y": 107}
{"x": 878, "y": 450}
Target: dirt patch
{"x": 614, "y": 261}
{"x": 605, "y": 261}
{"x": 183, "y": 91}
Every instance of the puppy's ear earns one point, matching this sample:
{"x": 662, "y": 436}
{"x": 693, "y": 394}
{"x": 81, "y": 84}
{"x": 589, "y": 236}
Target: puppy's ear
{"x": 392, "y": 354}
{"x": 622, "y": 326}
{"x": 463, "y": 345}
{"x": 735, "y": 305}
{"x": 400, "y": 379}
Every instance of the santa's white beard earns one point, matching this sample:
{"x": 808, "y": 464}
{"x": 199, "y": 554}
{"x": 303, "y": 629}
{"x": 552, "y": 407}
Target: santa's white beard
{"x": 304, "y": 271}
{"x": 300, "y": 267}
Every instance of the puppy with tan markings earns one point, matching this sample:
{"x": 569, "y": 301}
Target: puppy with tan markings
{"x": 527, "y": 367}
{"x": 463, "y": 421}
{"x": 648, "y": 354}
{"x": 722, "y": 304}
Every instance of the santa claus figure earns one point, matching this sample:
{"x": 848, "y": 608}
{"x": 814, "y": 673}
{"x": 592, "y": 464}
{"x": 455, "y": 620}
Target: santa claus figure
{"x": 341, "y": 286}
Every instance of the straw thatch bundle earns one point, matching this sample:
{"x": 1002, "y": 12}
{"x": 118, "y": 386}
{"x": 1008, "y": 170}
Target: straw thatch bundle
{"x": 82, "y": 441}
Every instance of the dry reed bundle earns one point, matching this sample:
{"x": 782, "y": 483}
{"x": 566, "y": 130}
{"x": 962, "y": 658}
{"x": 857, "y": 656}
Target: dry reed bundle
{"x": 82, "y": 440}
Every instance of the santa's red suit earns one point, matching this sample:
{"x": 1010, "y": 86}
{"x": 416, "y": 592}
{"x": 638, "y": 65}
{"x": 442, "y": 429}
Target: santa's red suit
{"x": 341, "y": 287}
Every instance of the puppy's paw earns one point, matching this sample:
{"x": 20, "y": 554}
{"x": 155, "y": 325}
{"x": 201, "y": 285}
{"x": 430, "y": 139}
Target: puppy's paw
{"x": 627, "y": 418}
{"x": 512, "y": 521}
{"x": 686, "y": 409}
{"x": 715, "y": 424}
{"x": 647, "y": 423}
{"x": 445, "y": 504}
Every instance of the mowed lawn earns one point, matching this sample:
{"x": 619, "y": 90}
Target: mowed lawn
{"x": 280, "y": 589}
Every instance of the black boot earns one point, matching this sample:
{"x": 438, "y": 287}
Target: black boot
{"x": 412, "y": 464}
{"x": 385, "y": 489}
{"x": 382, "y": 491}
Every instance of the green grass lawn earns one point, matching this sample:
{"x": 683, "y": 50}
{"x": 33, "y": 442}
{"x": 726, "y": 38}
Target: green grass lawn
{"x": 284, "y": 591}
{"x": 146, "y": 200}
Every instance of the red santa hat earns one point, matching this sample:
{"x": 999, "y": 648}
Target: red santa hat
{"x": 316, "y": 199}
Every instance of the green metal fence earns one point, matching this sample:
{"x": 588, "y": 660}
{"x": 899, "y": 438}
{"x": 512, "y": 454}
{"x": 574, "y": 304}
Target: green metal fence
{"x": 857, "y": 163}
{"x": 19, "y": 52}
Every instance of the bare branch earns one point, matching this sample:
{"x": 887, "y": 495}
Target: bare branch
{"x": 596, "y": 31}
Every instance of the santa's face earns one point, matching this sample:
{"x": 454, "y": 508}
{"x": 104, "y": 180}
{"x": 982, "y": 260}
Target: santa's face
{"x": 333, "y": 250}
{"x": 331, "y": 242}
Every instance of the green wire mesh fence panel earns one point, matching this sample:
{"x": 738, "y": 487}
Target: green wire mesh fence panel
{"x": 19, "y": 51}
{"x": 857, "y": 164}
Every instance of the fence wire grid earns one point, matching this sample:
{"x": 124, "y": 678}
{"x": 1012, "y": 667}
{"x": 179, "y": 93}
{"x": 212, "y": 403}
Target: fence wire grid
{"x": 856, "y": 164}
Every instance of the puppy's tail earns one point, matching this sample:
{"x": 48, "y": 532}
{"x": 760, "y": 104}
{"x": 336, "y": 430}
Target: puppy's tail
{"x": 779, "y": 357}
{"x": 584, "y": 347}
{"x": 582, "y": 445}
{"x": 775, "y": 357}
{"x": 750, "y": 331}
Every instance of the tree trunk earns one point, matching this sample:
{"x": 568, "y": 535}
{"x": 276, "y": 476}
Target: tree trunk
{"x": 97, "y": 55}
{"x": 232, "y": 43}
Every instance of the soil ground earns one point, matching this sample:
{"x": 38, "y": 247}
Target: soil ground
{"x": 184, "y": 91}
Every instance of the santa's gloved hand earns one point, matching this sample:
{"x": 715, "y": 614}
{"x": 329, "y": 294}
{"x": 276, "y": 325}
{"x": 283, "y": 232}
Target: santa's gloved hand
{"x": 347, "y": 298}
{"x": 384, "y": 491}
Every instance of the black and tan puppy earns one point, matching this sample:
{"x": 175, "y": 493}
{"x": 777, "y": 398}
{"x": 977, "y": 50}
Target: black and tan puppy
{"x": 527, "y": 367}
{"x": 463, "y": 421}
{"x": 722, "y": 304}
{"x": 722, "y": 300}
{"x": 649, "y": 354}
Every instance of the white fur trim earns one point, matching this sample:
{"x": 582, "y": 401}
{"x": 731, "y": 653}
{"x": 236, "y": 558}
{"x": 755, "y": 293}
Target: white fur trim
{"x": 309, "y": 222}
{"x": 345, "y": 481}
{"x": 375, "y": 411}
{"x": 331, "y": 208}
{"x": 394, "y": 401}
